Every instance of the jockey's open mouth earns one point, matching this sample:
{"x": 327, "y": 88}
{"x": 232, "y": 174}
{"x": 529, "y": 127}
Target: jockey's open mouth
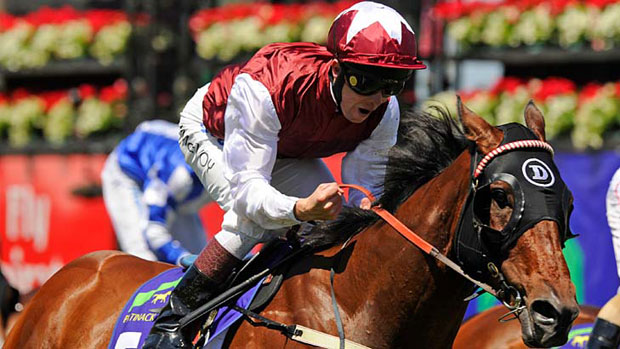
{"x": 364, "y": 111}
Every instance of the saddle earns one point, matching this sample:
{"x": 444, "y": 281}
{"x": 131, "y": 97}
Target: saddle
{"x": 269, "y": 256}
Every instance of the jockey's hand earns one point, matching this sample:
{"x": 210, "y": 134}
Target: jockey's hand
{"x": 365, "y": 204}
{"x": 324, "y": 204}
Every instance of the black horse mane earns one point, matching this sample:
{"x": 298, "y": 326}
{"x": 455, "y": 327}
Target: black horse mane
{"x": 426, "y": 144}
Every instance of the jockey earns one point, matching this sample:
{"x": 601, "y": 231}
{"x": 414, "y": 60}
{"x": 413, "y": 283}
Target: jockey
{"x": 613, "y": 215}
{"x": 255, "y": 135}
{"x": 606, "y": 330}
{"x": 152, "y": 195}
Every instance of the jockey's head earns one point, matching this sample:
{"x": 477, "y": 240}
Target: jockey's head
{"x": 375, "y": 54}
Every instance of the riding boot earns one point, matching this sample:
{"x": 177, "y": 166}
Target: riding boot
{"x": 605, "y": 335}
{"x": 195, "y": 289}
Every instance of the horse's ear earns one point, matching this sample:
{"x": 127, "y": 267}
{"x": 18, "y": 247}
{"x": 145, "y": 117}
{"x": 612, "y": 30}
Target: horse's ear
{"x": 486, "y": 136}
{"x": 534, "y": 120}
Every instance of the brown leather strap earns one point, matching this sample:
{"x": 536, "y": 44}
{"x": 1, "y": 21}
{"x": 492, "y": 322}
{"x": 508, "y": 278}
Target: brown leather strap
{"x": 393, "y": 221}
{"x": 416, "y": 239}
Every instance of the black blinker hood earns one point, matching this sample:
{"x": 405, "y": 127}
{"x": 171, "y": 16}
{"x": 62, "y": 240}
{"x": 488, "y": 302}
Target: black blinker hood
{"x": 539, "y": 194}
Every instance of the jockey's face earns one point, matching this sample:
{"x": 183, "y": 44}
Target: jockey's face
{"x": 356, "y": 107}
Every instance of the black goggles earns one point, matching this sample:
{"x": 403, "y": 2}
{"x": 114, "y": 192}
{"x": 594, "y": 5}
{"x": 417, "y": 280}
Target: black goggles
{"x": 366, "y": 84}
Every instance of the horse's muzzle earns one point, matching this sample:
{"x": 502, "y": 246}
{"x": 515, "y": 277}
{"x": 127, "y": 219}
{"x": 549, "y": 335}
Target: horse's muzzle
{"x": 548, "y": 322}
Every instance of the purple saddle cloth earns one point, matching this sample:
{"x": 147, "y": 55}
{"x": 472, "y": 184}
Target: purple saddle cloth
{"x": 138, "y": 315}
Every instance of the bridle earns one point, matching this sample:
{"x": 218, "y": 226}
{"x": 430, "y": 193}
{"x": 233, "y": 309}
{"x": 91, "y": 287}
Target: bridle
{"x": 525, "y": 163}
{"x": 506, "y": 292}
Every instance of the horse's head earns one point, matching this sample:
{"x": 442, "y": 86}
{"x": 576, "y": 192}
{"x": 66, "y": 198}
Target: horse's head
{"x": 519, "y": 214}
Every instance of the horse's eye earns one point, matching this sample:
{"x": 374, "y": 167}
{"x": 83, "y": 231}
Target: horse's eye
{"x": 500, "y": 198}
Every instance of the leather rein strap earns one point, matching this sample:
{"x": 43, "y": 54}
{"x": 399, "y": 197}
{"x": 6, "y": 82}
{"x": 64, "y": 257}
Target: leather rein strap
{"x": 416, "y": 239}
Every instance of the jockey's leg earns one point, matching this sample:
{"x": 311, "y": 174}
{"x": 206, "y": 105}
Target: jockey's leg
{"x": 201, "y": 283}
{"x": 606, "y": 331}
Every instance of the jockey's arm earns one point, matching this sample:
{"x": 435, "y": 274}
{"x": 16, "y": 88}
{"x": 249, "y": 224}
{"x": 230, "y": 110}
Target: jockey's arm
{"x": 250, "y": 150}
{"x": 162, "y": 198}
{"x": 366, "y": 164}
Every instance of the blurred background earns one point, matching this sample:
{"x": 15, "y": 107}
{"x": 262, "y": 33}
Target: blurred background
{"x": 77, "y": 76}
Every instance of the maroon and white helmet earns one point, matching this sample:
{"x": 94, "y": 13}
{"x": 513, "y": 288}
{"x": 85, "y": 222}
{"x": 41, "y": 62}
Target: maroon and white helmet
{"x": 373, "y": 34}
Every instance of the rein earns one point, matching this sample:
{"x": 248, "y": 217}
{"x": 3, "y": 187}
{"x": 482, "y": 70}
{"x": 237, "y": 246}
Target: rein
{"x": 417, "y": 240}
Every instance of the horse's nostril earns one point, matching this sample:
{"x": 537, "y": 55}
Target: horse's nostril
{"x": 574, "y": 312}
{"x": 544, "y": 312}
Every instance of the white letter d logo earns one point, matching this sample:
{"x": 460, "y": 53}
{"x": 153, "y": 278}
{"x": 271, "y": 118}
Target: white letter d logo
{"x": 538, "y": 173}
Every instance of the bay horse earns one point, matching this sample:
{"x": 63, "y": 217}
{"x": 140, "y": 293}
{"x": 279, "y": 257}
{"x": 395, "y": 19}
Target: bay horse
{"x": 389, "y": 293}
{"x": 484, "y": 331}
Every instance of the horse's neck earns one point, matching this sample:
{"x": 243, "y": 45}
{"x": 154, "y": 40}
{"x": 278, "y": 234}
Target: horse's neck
{"x": 433, "y": 210}
{"x": 409, "y": 294}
